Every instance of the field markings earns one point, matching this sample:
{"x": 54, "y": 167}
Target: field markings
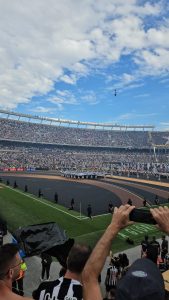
{"x": 101, "y": 215}
{"x": 95, "y": 216}
{"x": 133, "y": 230}
{"x": 47, "y": 204}
{"x": 135, "y": 184}
{"x": 82, "y": 218}
{"x": 113, "y": 183}
{"x": 128, "y": 191}
{"x": 50, "y": 205}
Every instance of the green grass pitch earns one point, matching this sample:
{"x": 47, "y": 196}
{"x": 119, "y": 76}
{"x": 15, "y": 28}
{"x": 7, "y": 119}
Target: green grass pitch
{"x": 20, "y": 209}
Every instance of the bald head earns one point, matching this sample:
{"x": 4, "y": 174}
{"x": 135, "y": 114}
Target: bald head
{"x": 77, "y": 258}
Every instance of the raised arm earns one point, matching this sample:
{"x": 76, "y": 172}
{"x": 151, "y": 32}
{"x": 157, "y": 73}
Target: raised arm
{"x": 95, "y": 263}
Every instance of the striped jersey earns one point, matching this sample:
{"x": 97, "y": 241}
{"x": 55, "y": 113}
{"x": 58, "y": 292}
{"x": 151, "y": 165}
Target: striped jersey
{"x": 111, "y": 277}
{"x": 60, "y": 289}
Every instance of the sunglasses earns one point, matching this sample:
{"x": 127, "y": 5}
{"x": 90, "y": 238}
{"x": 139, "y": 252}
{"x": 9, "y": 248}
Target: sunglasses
{"x": 13, "y": 267}
{"x": 16, "y": 265}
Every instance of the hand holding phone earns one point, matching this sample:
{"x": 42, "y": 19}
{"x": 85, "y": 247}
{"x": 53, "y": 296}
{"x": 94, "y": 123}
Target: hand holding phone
{"x": 142, "y": 216}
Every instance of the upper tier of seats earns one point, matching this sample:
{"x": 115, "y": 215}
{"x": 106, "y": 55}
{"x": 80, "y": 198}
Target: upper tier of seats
{"x": 42, "y": 133}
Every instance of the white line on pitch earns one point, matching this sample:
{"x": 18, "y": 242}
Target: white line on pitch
{"x": 84, "y": 218}
{"x": 47, "y": 204}
{"x": 101, "y": 215}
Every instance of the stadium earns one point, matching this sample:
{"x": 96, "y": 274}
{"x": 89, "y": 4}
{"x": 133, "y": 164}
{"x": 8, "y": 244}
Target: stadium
{"x": 93, "y": 163}
{"x": 84, "y": 150}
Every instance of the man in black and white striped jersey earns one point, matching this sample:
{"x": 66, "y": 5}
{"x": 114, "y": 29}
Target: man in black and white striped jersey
{"x": 68, "y": 287}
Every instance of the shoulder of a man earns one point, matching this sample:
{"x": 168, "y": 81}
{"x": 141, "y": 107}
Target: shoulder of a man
{"x": 60, "y": 289}
{"x": 44, "y": 286}
{"x": 14, "y": 296}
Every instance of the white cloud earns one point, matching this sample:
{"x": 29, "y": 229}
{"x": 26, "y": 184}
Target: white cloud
{"x": 61, "y": 98}
{"x": 79, "y": 68}
{"x": 42, "y": 109}
{"x": 133, "y": 115}
{"x": 90, "y": 98}
{"x": 165, "y": 80}
{"x": 43, "y": 42}
{"x": 164, "y": 126}
{"x": 63, "y": 93}
{"x": 142, "y": 96}
{"x": 158, "y": 37}
{"x": 157, "y": 60}
{"x": 68, "y": 79}
{"x": 127, "y": 78}
{"x": 131, "y": 7}
{"x": 124, "y": 82}
{"x": 164, "y": 123}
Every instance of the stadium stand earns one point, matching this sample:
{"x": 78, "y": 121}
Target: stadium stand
{"x": 40, "y": 133}
{"x": 24, "y": 144}
{"x": 160, "y": 138}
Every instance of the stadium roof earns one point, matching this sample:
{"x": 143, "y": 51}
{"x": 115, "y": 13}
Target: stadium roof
{"x": 56, "y": 121}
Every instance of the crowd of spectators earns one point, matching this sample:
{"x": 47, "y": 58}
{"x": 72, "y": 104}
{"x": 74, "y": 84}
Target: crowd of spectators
{"x": 61, "y": 159}
{"x": 160, "y": 138}
{"x": 56, "y": 158}
{"x": 43, "y": 133}
{"x": 33, "y": 132}
{"x": 32, "y": 145}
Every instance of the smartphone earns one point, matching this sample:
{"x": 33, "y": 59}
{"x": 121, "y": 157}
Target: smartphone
{"x": 142, "y": 216}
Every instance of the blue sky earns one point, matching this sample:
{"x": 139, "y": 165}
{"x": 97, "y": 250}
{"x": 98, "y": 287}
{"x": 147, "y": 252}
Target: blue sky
{"x": 64, "y": 59}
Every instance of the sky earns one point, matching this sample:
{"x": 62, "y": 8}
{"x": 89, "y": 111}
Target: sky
{"x": 65, "y": 59}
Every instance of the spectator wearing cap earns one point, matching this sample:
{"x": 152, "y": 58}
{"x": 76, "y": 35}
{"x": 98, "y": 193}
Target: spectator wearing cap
{"x": 143, "y": 280}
